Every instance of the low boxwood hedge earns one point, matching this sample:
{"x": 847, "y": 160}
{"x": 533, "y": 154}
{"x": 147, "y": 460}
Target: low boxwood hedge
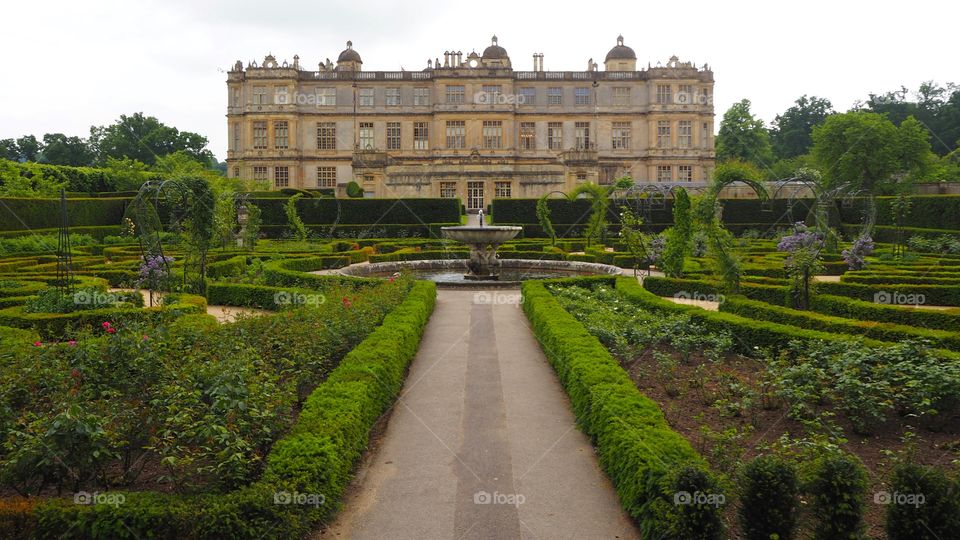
{"x": 636, "y": 447}
{"x": 934, "y": 295}
{"x": 316, "y": 457}
{"x": 55, "y": 326}
{"x": 664, "y": 286}
{"x": 763, "y": 311}
{"x": 850, "y": 308}
{"x": 749, "y": 334}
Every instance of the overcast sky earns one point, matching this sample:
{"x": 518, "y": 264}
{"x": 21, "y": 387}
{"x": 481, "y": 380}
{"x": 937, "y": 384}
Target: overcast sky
{"x": 73, "y": 64}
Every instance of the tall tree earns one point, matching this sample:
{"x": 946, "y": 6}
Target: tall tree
{"x": 144, "y": 138}
{"x": 743, "y": 137}
{"x": 866, "y": 150}
{"x": 58, "y": 149}
{"x": 28, "y": 146}
{"x": 8, "y": 150}
{"x": 792, "y": 132}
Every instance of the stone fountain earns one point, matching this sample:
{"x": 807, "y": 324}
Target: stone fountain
{"x": 483, "y": 242}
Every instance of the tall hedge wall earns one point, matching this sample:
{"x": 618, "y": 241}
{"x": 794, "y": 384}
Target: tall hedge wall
{"x": 32, "y": 214}
{"x": 85, "y": 179}
{"x": 321, "y": 211}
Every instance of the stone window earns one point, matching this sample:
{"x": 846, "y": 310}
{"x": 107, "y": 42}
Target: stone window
{"x": 582, "y": 132}
{"x": 555, "y": 135}
{"x": 685, "y": 173}
{"x": 281, "y": 177}
{"x": 491, "y": 94}
{"x": 393, "y": 135}
{"x": 455, "y": 94}
{"x": 456, "y": 134}
{"x": 280, "y": 95}
{"x": 366, "y": 135}
{"x": 259, "y": 173}
{"x": 326, "y": 136}
{"x": 685, "y": 134}
{"x": 502, "y": 190}
{"x": 448, "y": 190}
{"x": 663, "y": 134}
{"x": 555, "y": 95}
{"x": 527, "y": 135}
{"x": 664, "y": 173}
{"x": 260, "y": 95}
{"x": 393, "y": 97}
{"x": 260, "y": 135}
{"x": 581, "y": 96}
{"x": 326, "y": 177}
{"x": 664, "y": 94}
{"x": 421, "y": 136}
{"x": 366, "y": 97}
{"x": 685, "y": 94}
{"x": 236, "y": 137}
{"x": 492, "y": 134}
{"x": 621, "y": 96}
{"x": 236, "y": 172}
{"x": 281, "y": 135}
{"x": 528, "y": 96}
{"x": 421, "y": 96}
{"x": 326, "y": 97}
{"x": 621, "y": 132}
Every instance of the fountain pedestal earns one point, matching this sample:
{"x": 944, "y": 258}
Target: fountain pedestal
{"x": 483, "y": 242}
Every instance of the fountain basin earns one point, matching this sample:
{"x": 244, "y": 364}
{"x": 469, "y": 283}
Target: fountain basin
{"x": 448, "y": 273}
{"x": 483, "y": 242}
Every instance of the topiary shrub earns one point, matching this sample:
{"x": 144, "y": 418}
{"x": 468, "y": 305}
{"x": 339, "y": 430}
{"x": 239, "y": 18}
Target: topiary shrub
{"x": 690, "y": 507}
{"x": 354, "y": 191}
{"x": 769, "y": 496}
{"x": 837, "y": 484}
{"x": 923, "y": 504}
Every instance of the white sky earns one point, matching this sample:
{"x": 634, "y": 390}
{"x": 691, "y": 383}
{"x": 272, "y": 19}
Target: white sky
{"x": 73, "y": 64}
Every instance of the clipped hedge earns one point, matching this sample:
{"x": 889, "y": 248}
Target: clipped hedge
{"x": 850, "y": 308}
{"x": 260, "y": 296}
{"x": 32, "y": 213}
{"x": 636, "y": 447}
{"x": 665, "y": 286}
{"x": 55, "y": 326}
{"x": 828, "y": 323}
{"x": 317, "y": 456}
{"x": 935, "y": 295}
{"x": 326, "y": 211}
{"x": 749, "y": 334}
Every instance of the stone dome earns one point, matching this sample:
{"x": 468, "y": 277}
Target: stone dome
{"x": 349, "y": 55}
{"x": 621, "y": 52}
{"x": 494, "y": 51}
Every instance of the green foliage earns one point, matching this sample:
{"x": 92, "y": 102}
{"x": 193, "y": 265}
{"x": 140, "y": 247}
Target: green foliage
{"x": 679, "y": 237}
{"x": 792, "y": 131}
{"x": 146, "y": 139}
{"x": 297, "y": 229}
{"x": 53, "y": 300}
{"x": 866, "y": 150}
{"x": 543, "y": 217}
{"x": 354, "y": 191}
{"x": 837, "y": 484}
{"x": 743, "y": 137}
{"x": 769, "y": 499}
{"x": 923, "y": 504}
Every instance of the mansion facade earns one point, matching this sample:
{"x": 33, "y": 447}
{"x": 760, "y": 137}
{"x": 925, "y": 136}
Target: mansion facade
{"x": 469, "y": 127}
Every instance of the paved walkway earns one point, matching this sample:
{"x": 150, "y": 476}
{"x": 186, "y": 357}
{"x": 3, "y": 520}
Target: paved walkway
{"x": 482, "y": 443}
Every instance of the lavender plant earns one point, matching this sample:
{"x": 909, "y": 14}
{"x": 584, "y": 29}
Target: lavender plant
{"x": 803, "y": 261}
{"x": 856, "y": 256}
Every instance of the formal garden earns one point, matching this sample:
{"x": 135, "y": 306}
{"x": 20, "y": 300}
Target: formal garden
{"x": 783, "y": 367}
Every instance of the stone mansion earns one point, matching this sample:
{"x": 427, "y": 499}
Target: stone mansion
{"x": 469, "y": 126}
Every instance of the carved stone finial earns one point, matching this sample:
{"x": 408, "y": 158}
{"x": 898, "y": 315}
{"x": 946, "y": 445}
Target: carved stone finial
{"x": 349, "y": 44}
{"x": 620, "y": 39}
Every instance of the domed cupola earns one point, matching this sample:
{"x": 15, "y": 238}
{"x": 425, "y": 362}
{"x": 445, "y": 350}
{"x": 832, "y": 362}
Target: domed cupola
{"x": 349, "y": 59}
{"x": 620, "y": 58}
{"x": 495, "y": 56}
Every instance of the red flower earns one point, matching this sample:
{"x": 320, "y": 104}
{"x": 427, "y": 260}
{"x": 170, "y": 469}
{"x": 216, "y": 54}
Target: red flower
{"x": 146, "y": 337}
{"x": 111, "y": 330}
{"x": 346, "y": 302}
{"x": 37, "y": 344}
{"x": 75, "y": 373}
{"x": 72, "y": 343}
{"x": 105, "y": 324}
